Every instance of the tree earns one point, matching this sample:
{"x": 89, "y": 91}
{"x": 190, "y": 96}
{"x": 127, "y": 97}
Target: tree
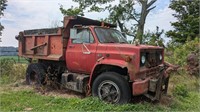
{"x": 187, "y": 26}
{"x": 154, "y": 38}
{"x": 71, "y": 11}
{"x": 146, "y": 8}
{"x": 122, "y": 13}
{"x": 2, "y": 8}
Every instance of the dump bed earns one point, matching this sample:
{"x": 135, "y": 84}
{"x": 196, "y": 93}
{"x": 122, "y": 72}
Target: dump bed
{"x": 41, "y": 44}
{"x": 51, "y": 43}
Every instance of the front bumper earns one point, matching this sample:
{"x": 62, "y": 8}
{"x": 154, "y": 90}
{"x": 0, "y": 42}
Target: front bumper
{"x": 140, "y": 87}
{"x": 151, "y": 86}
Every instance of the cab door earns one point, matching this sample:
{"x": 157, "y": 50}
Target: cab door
{"x": 81, "y": 52}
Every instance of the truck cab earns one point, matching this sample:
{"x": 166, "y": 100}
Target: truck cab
{"x": 93, "y": 57}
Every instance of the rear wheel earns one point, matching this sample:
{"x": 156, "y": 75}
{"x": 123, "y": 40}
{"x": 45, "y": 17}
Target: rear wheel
{"x": 35, "y": 74}
{"x": 111, "y": 87}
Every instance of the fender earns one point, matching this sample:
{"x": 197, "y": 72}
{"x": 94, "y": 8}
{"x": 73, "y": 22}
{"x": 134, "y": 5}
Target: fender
{"x": 114, "y": 62}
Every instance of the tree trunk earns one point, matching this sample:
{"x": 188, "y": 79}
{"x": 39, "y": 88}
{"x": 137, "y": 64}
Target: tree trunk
{"x": 144, "y": 12}
{"x": 142, "y": 19}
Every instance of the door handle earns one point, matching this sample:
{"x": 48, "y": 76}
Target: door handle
{"x": 71, "y": 46}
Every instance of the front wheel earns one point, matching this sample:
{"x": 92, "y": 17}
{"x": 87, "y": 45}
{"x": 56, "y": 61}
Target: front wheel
{"x": 111, "y": 87}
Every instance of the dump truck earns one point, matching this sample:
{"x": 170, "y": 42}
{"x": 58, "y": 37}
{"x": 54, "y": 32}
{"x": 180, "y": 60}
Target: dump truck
{"x": 92, "y": 57}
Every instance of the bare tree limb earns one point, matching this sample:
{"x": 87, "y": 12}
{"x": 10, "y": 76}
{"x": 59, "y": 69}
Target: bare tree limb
{"x": 133, "y": 35}
{"x": 150, "y": 3}
{"x": 150, "y": 9}
{"x": 133, "y": 17}
{"x": 120, "y": 25}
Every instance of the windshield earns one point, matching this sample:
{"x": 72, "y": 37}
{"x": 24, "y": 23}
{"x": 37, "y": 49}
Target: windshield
{"x": 109, "y": 36}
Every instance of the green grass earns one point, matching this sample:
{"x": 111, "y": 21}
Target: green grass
{"x": 14, "y": 58}
{"x": 29, "y": 100}
{"x": 22, "y": 100}
{"x": 12, "y": 99}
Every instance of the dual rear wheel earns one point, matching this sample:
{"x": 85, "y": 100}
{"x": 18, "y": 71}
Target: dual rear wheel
{"x": 35, "y": 74}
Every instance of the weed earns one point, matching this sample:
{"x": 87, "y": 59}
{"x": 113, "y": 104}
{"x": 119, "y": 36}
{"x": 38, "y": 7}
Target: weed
{"x": 180, "y": 90}
{"x": 10, "y": 71}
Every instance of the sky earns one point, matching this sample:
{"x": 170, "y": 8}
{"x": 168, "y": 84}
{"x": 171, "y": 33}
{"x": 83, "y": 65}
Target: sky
{"x": 34, "y": 14}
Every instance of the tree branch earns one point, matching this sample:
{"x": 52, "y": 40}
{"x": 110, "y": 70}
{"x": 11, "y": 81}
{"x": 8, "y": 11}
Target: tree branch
{"x": 133, "y": 17}
{"x": 133, "y": 35}
{"x": 150, "y": 3}
{"x": 148, "y": 10}
{"x": 120, "y": 25}
{"x": 143, "y": 1}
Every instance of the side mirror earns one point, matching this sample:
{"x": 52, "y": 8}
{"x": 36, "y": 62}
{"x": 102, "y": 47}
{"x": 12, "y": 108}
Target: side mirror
{"x": 73, "y": 32}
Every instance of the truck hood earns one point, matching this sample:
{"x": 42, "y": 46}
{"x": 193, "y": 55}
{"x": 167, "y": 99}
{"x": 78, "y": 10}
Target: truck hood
{"x": 128, "y": 49}
{"x": 119, "y": 51}
{"x": 132, "y": 46}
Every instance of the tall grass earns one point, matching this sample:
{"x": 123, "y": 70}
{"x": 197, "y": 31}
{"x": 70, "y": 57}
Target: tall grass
{"x": 10, "y": 71}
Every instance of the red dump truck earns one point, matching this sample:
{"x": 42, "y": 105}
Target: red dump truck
{"x": 92, "y": 57}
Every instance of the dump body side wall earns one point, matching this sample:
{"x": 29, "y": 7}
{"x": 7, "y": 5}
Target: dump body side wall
{"x": 42, "y": 46}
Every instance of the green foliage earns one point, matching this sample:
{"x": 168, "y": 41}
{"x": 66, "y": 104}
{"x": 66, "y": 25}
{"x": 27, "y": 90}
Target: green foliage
{"x": 11, "y": 71}
{"x": 2, "y": 8}
{"x": 180, "y": 90}
{"x": 189, "y": 103}
{"x": 187, "y": 26}
{"x": 71, "y": 11}
{"x": 154, "y": 38}
{"x": 177, "y": 53}
{"x": 185, "y": 92}
{"x": 16, "y": 59}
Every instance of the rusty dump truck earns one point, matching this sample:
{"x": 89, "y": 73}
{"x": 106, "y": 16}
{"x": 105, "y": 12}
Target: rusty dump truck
{"x": 92, "y": 57}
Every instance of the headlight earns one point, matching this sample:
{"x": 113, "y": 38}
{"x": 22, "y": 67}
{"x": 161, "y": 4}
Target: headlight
{"x": 143, "y": 59}
{"x": 160, "y": 57}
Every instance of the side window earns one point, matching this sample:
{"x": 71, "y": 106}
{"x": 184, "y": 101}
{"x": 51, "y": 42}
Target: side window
{"x": 87, "y": 37}
{"x": 78, "y": 37}
{"x": 83, "y": 36}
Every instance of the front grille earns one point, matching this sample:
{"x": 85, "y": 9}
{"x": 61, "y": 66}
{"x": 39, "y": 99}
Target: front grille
{"x": 152, "y": 58}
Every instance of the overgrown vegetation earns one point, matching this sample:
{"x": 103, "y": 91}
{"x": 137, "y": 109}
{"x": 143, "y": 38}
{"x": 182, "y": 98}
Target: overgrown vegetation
{"x": 17, "y": 101}
{"x": 10, "y": 71}
{"x": 177, "y": 53}
{"x": 182, "y": 96}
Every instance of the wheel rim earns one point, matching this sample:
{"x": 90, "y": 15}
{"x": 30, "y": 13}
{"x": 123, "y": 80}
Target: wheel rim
{"x": 109, "y": 91}
{"x": 33, "y": 78}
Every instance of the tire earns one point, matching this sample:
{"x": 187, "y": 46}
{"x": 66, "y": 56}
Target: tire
{"x": 35, "y": 74}
{"x": 111, "y": 87}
